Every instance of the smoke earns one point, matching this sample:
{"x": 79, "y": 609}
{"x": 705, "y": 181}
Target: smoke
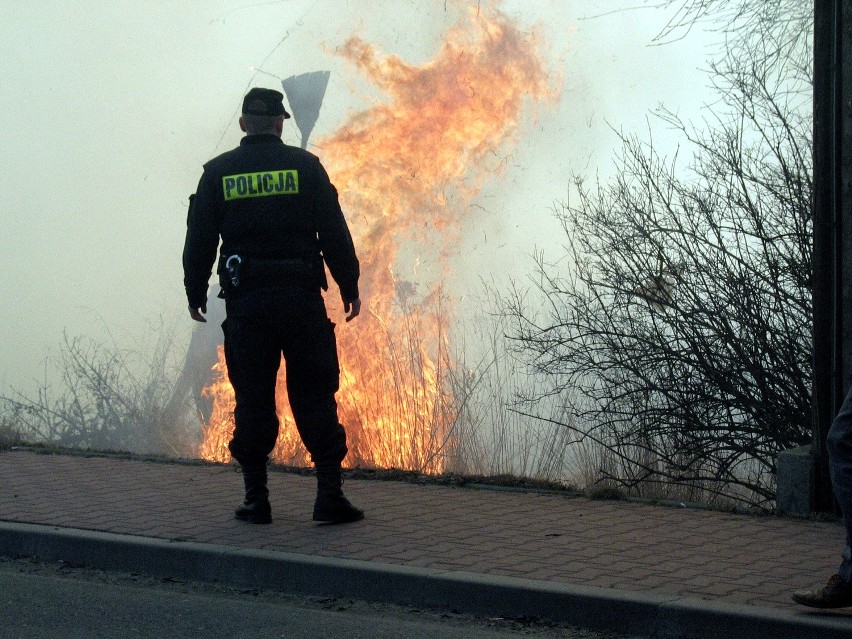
{"x": 106, "y": 142}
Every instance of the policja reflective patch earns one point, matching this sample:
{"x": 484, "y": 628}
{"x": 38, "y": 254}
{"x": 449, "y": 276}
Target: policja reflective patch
{"x": 245, "y": 185}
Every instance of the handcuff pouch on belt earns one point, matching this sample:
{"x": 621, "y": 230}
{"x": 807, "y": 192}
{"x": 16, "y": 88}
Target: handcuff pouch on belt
{"x": 230, "y": 273}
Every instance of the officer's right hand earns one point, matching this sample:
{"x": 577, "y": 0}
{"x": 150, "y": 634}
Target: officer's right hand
{"x": 198, "y": 313}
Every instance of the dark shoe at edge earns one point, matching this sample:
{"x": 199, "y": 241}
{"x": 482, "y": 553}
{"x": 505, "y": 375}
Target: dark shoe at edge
{"x": 254, "y": 512}
{"x": 835, "y": 594}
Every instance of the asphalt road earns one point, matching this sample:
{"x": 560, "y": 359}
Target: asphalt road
{"x": 39, "y": 601}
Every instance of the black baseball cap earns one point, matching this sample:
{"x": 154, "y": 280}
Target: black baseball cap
{"x": 259, "y": 101}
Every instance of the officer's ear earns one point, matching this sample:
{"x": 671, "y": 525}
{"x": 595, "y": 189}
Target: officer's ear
{"x": 279, "y": 125}
{"x": 243, "y": 124}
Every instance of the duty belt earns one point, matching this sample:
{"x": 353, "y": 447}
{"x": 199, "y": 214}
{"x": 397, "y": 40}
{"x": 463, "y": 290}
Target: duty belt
{"x": 237, "y": 272}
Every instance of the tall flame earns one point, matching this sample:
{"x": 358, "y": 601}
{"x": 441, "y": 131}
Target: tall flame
{"x": 406, "y": 171}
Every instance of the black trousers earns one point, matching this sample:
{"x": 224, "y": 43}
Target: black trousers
{"x": 259, "y": 328}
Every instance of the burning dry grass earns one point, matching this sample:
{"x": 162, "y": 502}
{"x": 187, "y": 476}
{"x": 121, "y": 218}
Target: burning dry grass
{"x": 407, "y": 170}
{"x": 408, "y": 422}
{"x": 405, "y": 424}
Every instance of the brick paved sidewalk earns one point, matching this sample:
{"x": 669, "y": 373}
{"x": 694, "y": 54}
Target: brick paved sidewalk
{"x": 573, "y": 540}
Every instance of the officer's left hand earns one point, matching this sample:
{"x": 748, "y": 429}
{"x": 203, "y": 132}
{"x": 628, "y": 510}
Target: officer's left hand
{"x": 352, "y": 308}
{"x": 198, "y": 313}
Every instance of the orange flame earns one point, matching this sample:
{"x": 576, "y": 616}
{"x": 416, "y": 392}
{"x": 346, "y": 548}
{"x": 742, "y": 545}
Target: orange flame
{"x": 406, "y": 171}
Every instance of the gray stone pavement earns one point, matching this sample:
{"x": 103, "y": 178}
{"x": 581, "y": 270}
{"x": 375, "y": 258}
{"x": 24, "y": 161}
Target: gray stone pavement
{"x": 729, "y": 561}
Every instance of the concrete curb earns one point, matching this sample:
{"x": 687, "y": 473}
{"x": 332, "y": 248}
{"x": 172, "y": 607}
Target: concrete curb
{"x": 584, "y": 606}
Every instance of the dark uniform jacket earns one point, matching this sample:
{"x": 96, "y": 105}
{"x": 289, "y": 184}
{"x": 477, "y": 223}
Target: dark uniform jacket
{"x": 268, "y": 201}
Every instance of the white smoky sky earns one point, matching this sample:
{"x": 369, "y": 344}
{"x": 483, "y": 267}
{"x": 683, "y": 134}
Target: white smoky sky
{"x": 111, "y": 107}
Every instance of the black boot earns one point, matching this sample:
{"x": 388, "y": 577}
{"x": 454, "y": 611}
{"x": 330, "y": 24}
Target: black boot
{"x": 255, "y": 509}
{"x": 331, "y": 506}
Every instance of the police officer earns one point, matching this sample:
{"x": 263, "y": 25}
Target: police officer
{"x": 279, "y": 219}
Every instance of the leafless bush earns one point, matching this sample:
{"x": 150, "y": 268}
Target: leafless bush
{"x": 110, "y": 399}
{"x": 10, "y": 434}
{"x": 680, "y": 337}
